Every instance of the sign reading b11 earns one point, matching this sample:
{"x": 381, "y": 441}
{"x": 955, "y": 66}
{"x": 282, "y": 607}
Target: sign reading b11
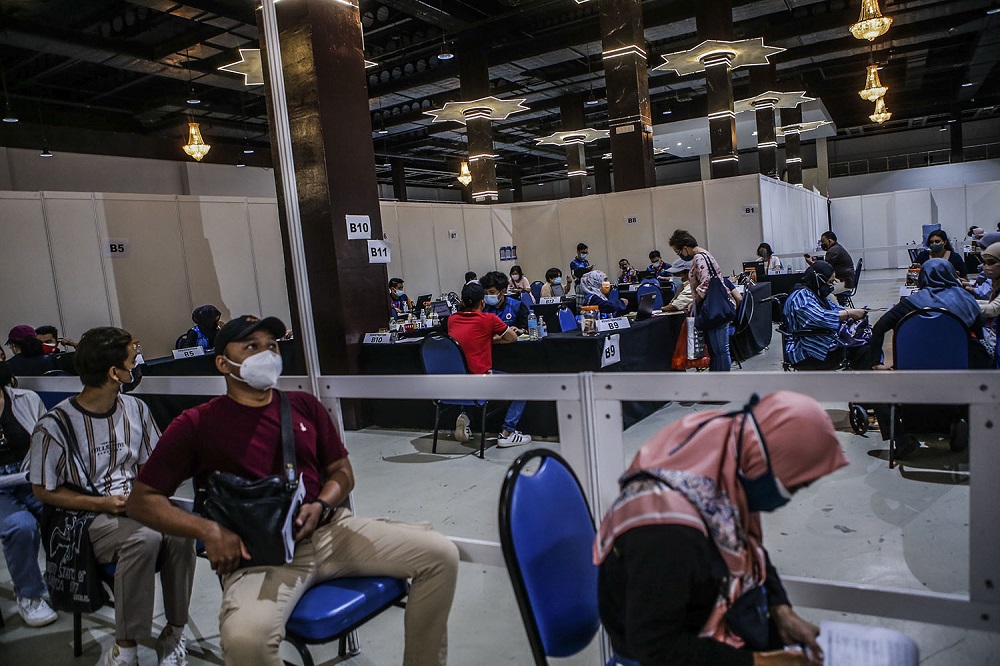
{"x": 359, "y": 227}
{"x": 379, "y": 252}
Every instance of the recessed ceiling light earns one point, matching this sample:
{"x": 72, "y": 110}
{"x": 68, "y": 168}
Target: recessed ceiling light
{"x": 45, "y": 153}
{"x": 382, "y": 130}
{"x": 944, "y": 128}
{"x": 967, "y": 84}
{"x": 240, "y": 165}
{"x": 248, "y": 151}
{"x": 667, "y": 112}
{"x": 679, "y": 143}
{"x": 689, "y": 147}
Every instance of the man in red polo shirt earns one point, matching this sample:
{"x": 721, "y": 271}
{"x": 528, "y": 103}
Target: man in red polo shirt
{"x": 476, "y": 332}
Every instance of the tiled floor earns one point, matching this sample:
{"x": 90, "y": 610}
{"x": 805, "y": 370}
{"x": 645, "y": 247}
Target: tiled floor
{"x": 864, "y": 524}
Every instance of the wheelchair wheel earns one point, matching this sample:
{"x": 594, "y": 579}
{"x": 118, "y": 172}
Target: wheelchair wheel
{"x": 858, "y": 417}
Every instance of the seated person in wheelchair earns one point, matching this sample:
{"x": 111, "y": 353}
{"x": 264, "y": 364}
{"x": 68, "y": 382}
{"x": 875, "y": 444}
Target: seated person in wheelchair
{"x": 85, "y": 455}
{"x": 812, "y": 322}
{"x": 595, "y": 284}
{"x": 240, "y": 433}
{"x": 683, "y": 542}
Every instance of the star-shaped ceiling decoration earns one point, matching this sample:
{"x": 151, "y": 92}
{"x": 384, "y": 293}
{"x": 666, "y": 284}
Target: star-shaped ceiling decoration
{"x": 585, "y": 135}
{"x": 741, "y": 53}
{"x": 249, "y": 65}
{"x": 802, "y": 127}
{"x": 778, "y": 100}
{"x": 487, "y": 107}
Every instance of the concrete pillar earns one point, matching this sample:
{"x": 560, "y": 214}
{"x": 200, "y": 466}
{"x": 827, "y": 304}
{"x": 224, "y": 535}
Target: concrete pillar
{"x": 571, "y": 112}
{"x": 475, "y": 80}
{"x": 398, "y": 179}
{"x": 715, "y": 21}
{"x": 793, "y": 145}
{"x": 762, "y": 79}
{"x": 602, "y": 176}
{"x": 822, "y": 166}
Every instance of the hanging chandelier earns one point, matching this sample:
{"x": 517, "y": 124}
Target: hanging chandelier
{"x": 196, "y": 146}
{"x": 464, "y": 175}
{"x": 871, "y": 24}
{"x": 873, "y": 86}
{"x": 881, "y": 113}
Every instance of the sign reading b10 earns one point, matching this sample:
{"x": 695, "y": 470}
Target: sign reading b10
{"x": 359, "y": 227}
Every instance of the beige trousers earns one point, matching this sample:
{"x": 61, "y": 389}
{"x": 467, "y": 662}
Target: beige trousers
{"x": 136, "y": 549}
{"x": 257, "y": 601}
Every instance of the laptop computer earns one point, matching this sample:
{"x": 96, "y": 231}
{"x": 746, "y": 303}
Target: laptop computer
{"x": 441, "y": 308}
{"x": 755, "y": 269}
{"x": 646, "y": 302}
{"x": 419, "y": 303}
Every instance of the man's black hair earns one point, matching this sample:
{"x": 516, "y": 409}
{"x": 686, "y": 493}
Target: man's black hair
{"x": 101, "y": 349}
{"x": 580, "y": 247}
{"x": 495, "y": 280}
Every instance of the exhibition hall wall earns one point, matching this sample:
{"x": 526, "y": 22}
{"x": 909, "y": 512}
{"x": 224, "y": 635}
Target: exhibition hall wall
{"x": 144, "y": 262}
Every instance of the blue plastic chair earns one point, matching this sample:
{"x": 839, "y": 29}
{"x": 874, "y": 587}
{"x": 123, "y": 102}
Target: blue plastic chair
{"x": 441, "y": 355}
{"x": 546, "y": 533}
{"x": 567, "y": 320}
{"x": 527, "y": 300}
{"x": 536, "y": 289}
{"x": 649, "y": 288}
{"x": 910, "y": 351}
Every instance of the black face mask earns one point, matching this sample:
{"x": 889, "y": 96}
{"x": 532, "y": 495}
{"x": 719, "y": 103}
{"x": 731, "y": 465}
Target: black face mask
{"x": 136, "y": 374}
{"x": 823, "y": 288}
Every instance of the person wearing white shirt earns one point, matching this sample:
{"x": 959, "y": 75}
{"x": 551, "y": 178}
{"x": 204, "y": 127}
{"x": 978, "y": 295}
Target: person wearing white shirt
{"x": 772, "y": 264}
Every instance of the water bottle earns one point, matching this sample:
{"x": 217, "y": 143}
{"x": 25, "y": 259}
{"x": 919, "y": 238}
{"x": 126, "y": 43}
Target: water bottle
{"x": 423, "y": 319}
{"x": 543, "y": 330}
{"x": 532, "y": 326}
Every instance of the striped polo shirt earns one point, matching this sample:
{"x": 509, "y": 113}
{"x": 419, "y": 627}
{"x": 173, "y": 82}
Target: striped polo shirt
{"x": 803, "y": 310}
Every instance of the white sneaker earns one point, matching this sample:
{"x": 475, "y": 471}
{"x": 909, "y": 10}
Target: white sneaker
{"x": 515, "y": 438}
{"x": 120, "y": 656}
{"x": 463, "y": 433}
{"x": 170, "y": 647}
{"x": 35, "y": 612}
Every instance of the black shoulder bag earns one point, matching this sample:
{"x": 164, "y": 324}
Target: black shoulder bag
{"x": 255, "y": 509}
{"x": 72, "y": 572}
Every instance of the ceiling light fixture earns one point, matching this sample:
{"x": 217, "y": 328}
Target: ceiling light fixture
{"x": 445, "y": 53}
{"x": 871, "y": 24}
{"x": 196, "y": 146}
{"x": 592, "y": 100}
{"x": 881, "y": 114}
{"x": 967, "y": 84}
{"x": 45, "y": 153}
{"x": 464, "y": 175}
{"x": 8, "y": 116}
{"x": 873, "y": 86}
{"x": 248, "y": 151}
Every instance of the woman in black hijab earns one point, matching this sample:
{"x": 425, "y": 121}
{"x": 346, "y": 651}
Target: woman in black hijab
{"x": 206, "y": 325}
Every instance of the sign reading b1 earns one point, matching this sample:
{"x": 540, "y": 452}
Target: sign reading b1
{"x": 379, "y": 252}
{"x": 748, "y": 210}
{"x": 359, "y": 227}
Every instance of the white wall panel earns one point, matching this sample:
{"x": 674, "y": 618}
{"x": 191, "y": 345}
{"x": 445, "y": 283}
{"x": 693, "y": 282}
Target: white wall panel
{"x": 732, "y": 237}
{"x": 582, "y": 220}
{"x": 878, "y": 214}
{"x": 982, "y": 203}
{"x": 847, "y": 223}
{"x": 28, "y": 295}
{"x": 677, "y": 207}
{"x": 792, "y": 218}
{"x": 536, "y": 234}
{"x": 948, "y": 210}
{"x": 453, "y": 261}
{"x": 481, "y": 240}
{"x": 913, "y": 210}
{"x": 631, "y": 241}
{"x": 417, "y": 250}
{"x": 265, "y": 235}
{"x": 77, "y": 261}
{"x": 502, "y": 223}
{"x": 390, "y": 231}
{"x": 151, "y": 283}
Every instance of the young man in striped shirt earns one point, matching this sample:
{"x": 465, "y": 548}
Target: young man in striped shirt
{"x": 85, "y": 455}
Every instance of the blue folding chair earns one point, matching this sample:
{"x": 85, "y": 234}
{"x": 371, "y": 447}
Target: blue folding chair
{"x": 536, "y": 289}
{"x": 648, "y": 288}
{"x": 567, "y": 320}
{"x": 441, "y": 355}
{"x": 546, "y": 533}
{"x": 527, "y": 300}
{"x": 910, "y": 351}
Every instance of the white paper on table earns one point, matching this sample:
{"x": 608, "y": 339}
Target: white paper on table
{"x": 846, "y": 644}
{"x": 288, "y": 530}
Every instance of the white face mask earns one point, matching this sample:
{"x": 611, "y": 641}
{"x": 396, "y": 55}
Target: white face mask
{"x": 260, "y": 371}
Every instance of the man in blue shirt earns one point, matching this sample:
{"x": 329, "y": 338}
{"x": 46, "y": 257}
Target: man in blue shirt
{"x": 511, "y": 311}
{"x": 579, "y": 262}
{"x": 658, "y": 268}
{"x": 399, "y": 302}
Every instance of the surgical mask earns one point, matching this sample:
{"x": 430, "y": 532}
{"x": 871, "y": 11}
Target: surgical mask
{"x": 936, "y": 248}
{"x": 399, "y": 293}
{"x": 492, "y": 299}
{"x": 605, "y": 287}
{"x": 584, "y": 255}
{"x": 135, "y": 375}
{"x": 558, "y": 280}
{"x": 762, "y": 254}
{"x": 260, "y": 371}
{"x": 765, "y": 492}
{"x": 686, "y": 256}
{"x": 515, "y": 277}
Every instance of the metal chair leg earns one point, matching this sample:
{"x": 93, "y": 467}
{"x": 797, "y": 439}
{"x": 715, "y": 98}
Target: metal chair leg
{"x": 892, "y": 435}
{"x": 350, "y": 645}
{"x": 482, "y": 433}
{"x": 77, "y": 635}
{"x": 437, "y": 422}
{"x": 303, "y": 651}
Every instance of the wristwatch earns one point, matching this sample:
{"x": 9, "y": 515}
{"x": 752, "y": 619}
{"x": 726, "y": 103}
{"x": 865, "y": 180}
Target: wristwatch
{"x": 327, "y": 510}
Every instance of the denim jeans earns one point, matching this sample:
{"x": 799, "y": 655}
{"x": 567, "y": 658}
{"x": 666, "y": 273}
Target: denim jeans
{"x": 514, "y": 411}
{"x": 19, "y": 516}
{"x": 717, "y": 340}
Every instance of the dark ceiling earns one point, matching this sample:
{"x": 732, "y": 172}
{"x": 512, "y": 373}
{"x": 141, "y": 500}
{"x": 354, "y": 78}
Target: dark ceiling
{"x": 114, "y": 77}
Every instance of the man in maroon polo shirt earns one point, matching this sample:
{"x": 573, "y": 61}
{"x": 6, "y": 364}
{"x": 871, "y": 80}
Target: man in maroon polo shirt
{"x": 240, "y": 433}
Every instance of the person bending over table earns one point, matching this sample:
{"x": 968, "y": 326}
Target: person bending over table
{"x": 840, "y": 259}
{"x": 812, "y": 322}
{"x": 553, "y": 286}
{"x": 476, "y": 331}
{"x": 939, "y": 247}
{"x": 240, "y": 433}
{"x": 399, "y": 303}
{"x": 700, "y": 276}
{"x": 683, "y": 542}
{"x": 682, "y": 299}
{"x": 772, "y": 263}
{"x": 595, "y": 284}
{"x": 511, "y": 311}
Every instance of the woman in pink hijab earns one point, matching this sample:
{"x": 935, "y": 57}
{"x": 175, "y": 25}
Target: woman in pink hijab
{"x": 684, "y": 577}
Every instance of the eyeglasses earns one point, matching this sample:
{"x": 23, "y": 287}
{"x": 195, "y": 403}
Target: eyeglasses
{"x": 136, "y": 346}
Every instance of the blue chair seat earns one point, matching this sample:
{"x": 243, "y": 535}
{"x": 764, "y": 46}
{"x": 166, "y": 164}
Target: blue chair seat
{"x": 336, "y": 606}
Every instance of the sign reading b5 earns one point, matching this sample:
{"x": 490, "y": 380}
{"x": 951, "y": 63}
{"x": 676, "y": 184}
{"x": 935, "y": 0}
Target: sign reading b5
{"x": 116, "y": 248}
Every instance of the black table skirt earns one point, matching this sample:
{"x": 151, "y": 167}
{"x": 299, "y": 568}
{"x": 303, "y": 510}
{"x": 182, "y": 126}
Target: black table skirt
{"x": 752, "y": 338}
{"x": 645, "y": 347}
{"x": 781, "y": 283}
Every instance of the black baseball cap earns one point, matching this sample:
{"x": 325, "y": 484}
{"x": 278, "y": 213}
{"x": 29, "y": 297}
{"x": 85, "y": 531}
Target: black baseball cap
{"x": 240, "y": 328}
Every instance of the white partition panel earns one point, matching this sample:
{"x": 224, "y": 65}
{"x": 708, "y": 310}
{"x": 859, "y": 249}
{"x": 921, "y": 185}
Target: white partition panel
{"x": 219, "y": 254}
{"x": 948, "y": 210}
{"x": 792, "y": 218}
{"x": 265, "y": 236}
{"x": 878, "y": 213}
{"x": 581, "y": 220}
{"x": 982, "y": 205}
{"x": 847, "y": 223}
{"x": 913, "y": 210}
{"x": 677, "y": 207}
{"x": 85, "y": 301}
{"x": 480, "y": 242}
{"x": 28, "y": 294}
{"x": 390, "y": 232}
{"x": 628, "y": 218}
{"x": 151, "y": 282}
{"x": 731, "y": 235}
{"x": 417, "y": 251}
{"x": 536, "y": 234}
{"x": 452, "y": 261}
{"x": 503, "y": 232}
